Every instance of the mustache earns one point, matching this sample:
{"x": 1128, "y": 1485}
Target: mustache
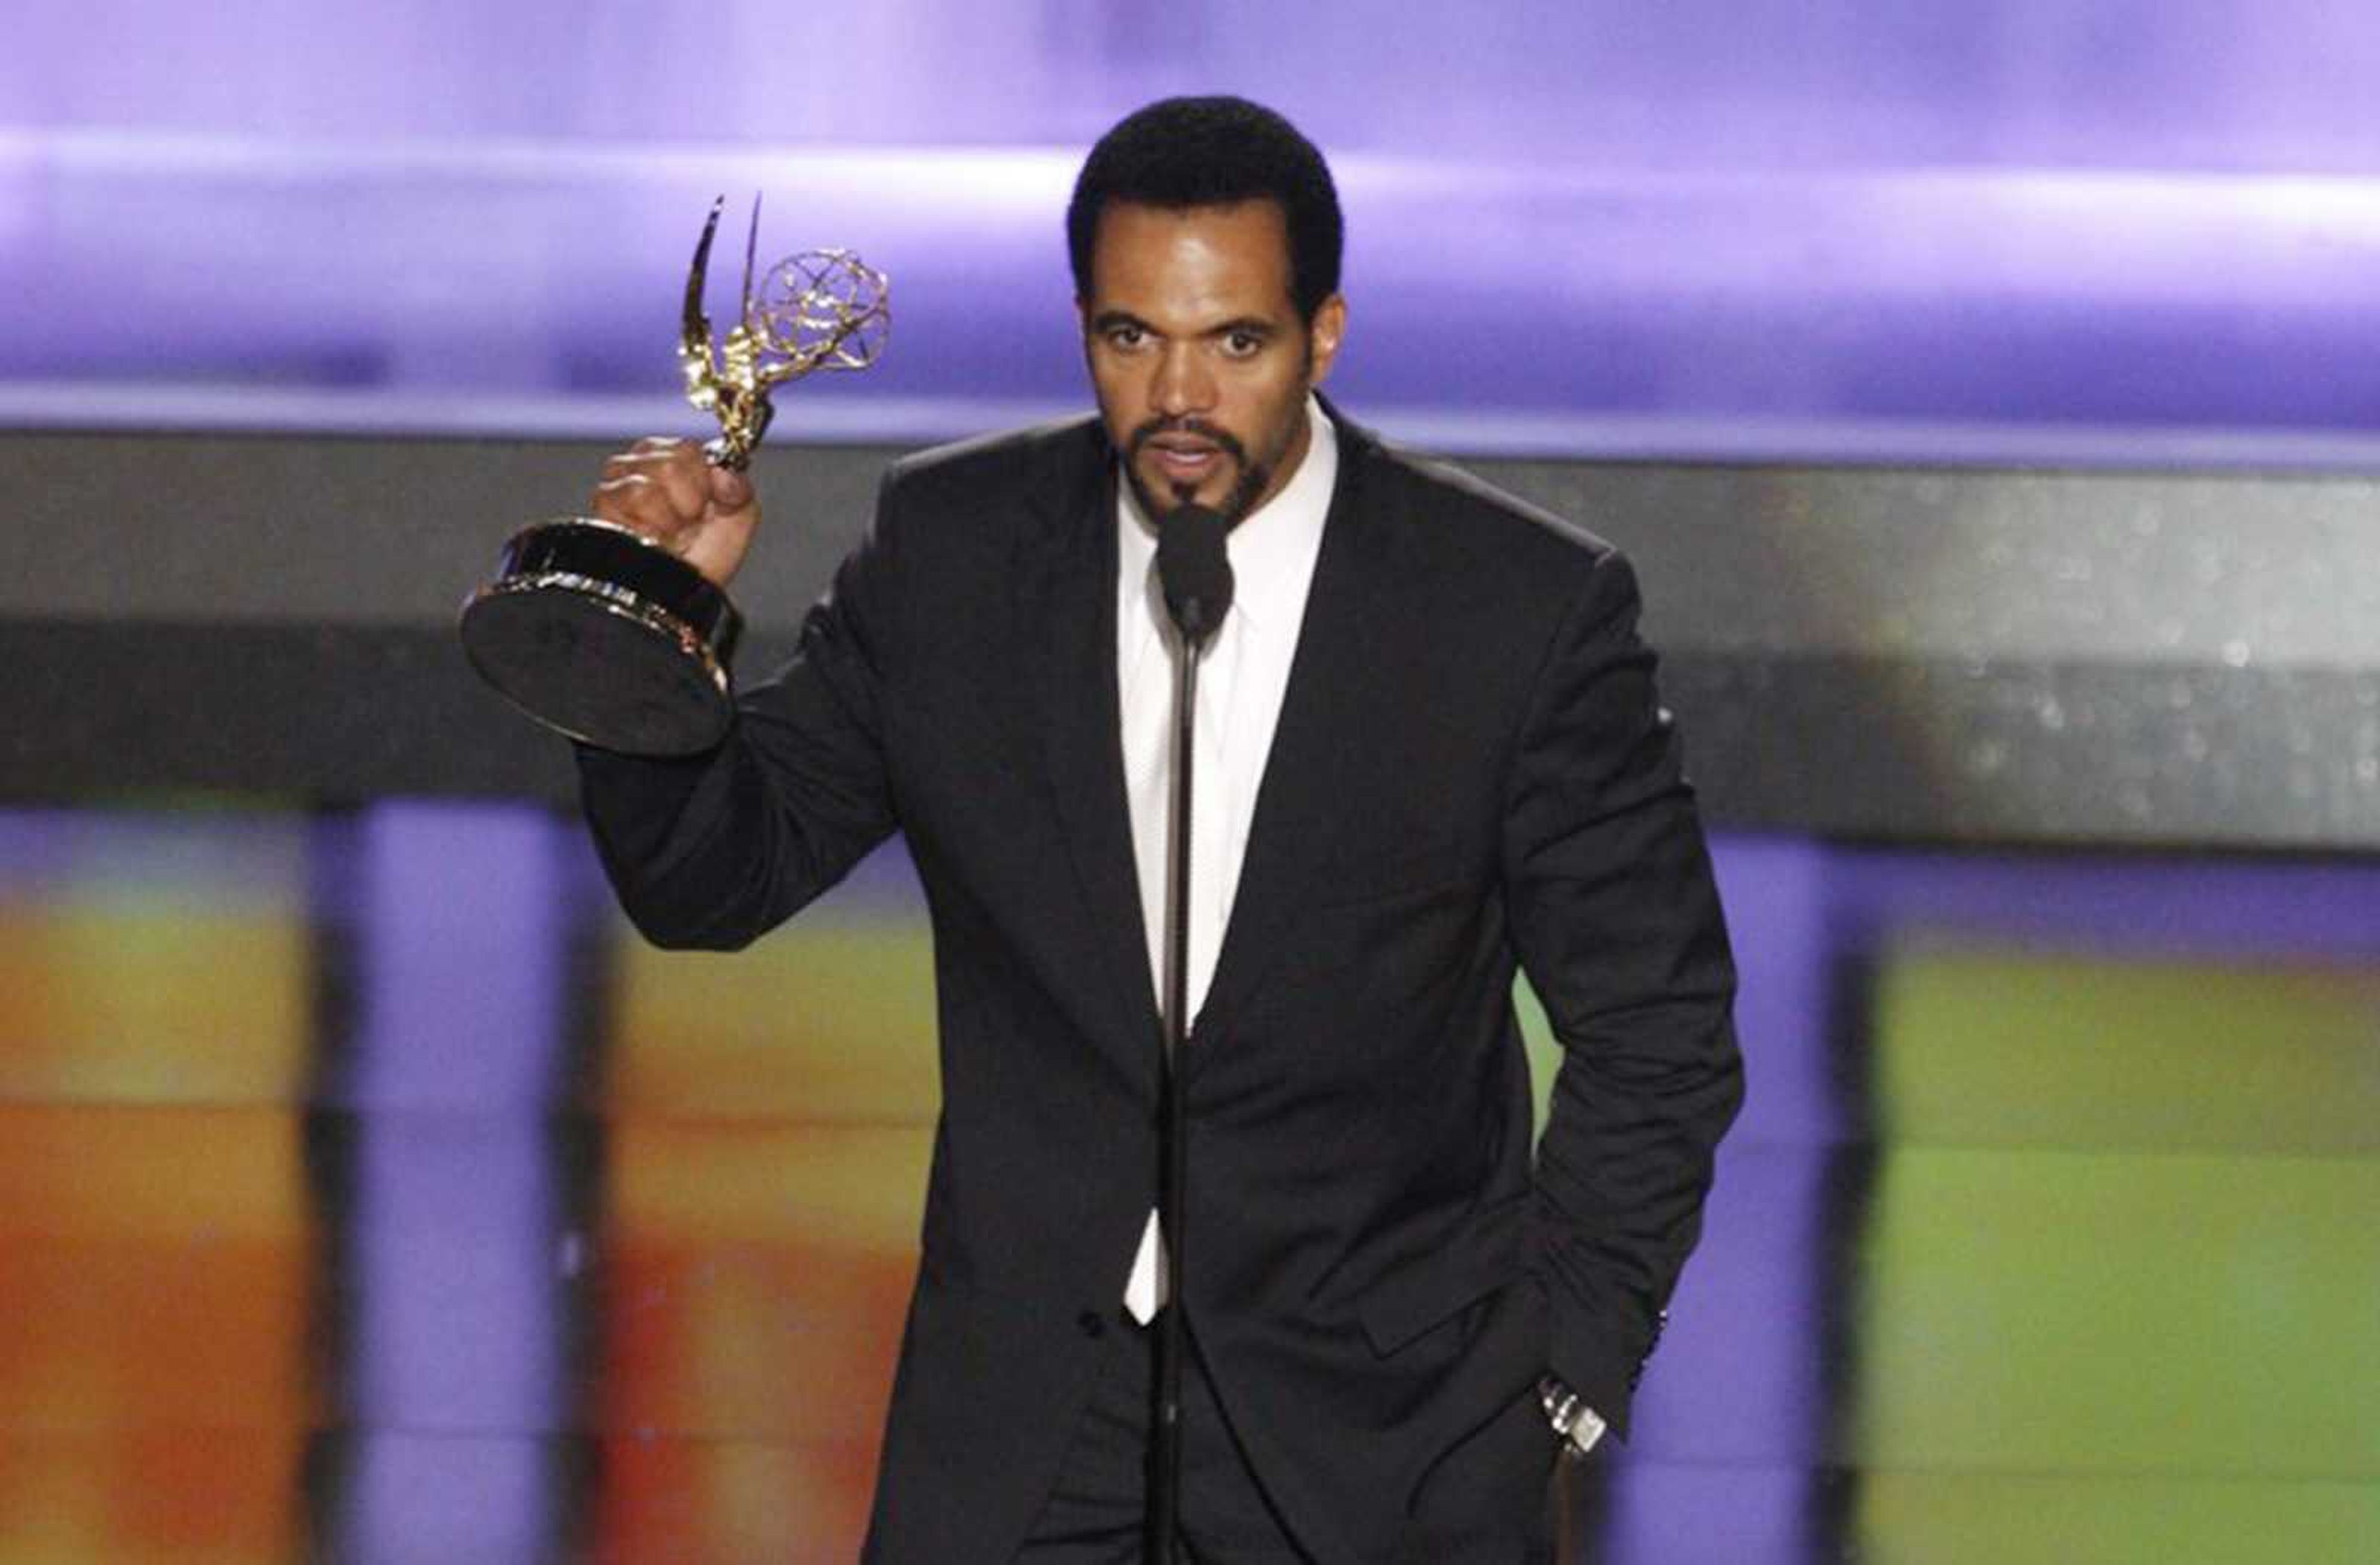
{"x": 1214, "y": 434}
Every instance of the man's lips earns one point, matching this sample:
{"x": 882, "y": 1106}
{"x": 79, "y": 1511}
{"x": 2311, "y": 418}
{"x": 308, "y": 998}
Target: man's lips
{"x": 1181, "y": 458}
{"x": 1184, "y": 458}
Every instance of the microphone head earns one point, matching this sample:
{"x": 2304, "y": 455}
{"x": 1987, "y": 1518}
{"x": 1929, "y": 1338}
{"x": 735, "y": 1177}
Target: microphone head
{"x": 1194, "y": 570}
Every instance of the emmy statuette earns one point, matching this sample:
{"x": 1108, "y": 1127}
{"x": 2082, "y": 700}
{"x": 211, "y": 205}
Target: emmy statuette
{"x": 605, "y": 635}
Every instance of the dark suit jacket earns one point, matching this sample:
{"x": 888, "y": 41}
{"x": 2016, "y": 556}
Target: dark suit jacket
{"x": 1471, "y": 771}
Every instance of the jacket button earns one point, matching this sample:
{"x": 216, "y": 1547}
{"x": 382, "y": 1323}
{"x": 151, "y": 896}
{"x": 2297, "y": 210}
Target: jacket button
{"x": 1091, "y": 1324}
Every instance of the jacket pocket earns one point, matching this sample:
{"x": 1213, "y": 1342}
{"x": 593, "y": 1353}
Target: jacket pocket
{"x": 1486, "y": 1256}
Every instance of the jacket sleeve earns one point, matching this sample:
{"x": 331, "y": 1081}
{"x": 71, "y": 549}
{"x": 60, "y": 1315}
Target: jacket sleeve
{"x": 714, "y": 851}
{"x": 1616, "y": 925}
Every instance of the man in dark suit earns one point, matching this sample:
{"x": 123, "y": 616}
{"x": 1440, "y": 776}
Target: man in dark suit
{"x": 1442, "y": 759}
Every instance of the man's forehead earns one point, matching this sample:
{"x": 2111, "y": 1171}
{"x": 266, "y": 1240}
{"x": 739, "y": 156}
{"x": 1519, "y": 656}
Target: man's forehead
{"x": 1249, "y": 237}
{"x": 1260, "y": 210}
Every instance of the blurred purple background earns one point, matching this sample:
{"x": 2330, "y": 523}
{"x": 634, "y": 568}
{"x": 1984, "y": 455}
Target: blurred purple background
{"x": 2001, "y": 229}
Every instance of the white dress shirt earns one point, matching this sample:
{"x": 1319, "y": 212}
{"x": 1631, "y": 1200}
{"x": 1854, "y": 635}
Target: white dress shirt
{"x": 1243, "y": 675}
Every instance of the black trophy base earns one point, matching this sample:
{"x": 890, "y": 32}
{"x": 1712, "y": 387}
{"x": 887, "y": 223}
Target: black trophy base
{"x": 600, "y": 633}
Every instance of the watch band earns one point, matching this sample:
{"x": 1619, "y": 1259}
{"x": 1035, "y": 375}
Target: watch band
{"x": 1577, "y": 1425}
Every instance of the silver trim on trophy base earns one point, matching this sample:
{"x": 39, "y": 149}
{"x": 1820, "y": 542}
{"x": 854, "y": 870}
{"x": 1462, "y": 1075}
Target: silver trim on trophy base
{"x": 600, "y": 634}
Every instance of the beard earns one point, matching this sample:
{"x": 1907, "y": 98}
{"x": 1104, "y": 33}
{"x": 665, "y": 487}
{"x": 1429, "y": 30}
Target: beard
{"x": 1251, "y": 480}
{"x": 1238, "y": 501}
{"x": 1254, "y": 475}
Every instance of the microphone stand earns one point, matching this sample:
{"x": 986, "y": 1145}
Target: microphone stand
{"x": 1196, "y": 574}
{"x": 1165, "y": 1480}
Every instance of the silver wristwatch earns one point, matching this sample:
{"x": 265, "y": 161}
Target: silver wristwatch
{"x": 1577, "y": 1425}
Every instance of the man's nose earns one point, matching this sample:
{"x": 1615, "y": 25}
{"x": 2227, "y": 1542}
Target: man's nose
{"x": 1183, "y": 383}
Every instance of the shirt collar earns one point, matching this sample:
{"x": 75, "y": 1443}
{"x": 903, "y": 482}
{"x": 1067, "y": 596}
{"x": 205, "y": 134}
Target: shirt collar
{"x": 1273, "y": 549}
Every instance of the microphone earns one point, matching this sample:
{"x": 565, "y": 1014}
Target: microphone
{"x": 1194, "y": 571}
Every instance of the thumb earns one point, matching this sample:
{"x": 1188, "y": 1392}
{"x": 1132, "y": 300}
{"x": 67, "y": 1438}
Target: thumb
{"x": 730, "y": 490}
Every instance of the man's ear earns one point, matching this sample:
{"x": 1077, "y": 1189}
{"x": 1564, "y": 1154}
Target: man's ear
{"x": 1323, "y": 337}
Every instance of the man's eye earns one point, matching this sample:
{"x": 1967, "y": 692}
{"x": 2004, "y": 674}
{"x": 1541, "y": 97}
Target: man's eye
{"x": 1125, "y": 336}
{"x": 1241, "y": 344}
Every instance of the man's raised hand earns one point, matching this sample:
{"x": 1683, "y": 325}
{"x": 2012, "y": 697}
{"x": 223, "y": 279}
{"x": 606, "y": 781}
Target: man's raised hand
{"x": 667, "y": 490}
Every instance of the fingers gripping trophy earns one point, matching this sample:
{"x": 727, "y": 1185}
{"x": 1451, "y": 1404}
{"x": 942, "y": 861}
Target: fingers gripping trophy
{"x": 603, "y": 632}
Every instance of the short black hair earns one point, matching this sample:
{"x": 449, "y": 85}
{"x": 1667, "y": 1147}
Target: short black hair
{"x": 1183, "y": 152}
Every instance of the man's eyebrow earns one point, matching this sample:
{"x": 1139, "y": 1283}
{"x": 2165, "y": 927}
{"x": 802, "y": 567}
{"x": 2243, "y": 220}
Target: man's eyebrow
{"x": 1249, "y": 325}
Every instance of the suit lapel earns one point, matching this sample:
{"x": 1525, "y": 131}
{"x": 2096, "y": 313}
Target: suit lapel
{"x": 1069, "y": 613}
{"x": 1314, "y": 774}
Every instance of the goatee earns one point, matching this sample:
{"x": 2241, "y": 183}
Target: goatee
{"x": 1236, "y": 503}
